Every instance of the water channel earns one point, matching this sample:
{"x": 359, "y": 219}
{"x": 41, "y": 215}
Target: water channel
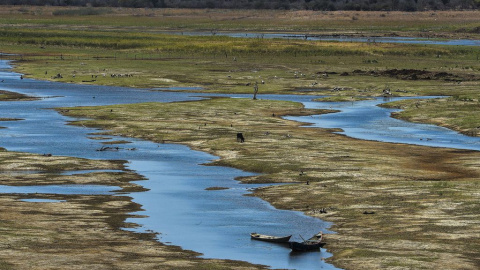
{"x": 340, "y": 38}
{"x": 216, "y": 223}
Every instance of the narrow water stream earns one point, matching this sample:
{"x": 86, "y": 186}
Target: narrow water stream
{"x": 367, "y": 121}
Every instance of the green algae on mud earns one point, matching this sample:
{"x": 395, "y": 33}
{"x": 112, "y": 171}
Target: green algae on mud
{"x": 389, "y": 202}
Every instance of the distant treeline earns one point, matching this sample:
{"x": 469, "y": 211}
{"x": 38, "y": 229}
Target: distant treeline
{"x": 386, "y": 5}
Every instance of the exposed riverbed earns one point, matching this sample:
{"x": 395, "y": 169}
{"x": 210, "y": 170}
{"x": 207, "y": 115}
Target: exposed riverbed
{"x": 191, "y": 219}
{"x": 216, "y": 223}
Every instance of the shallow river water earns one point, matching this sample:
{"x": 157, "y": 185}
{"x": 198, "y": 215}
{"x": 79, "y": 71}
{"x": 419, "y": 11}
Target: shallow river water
{"x": 365, "y": 120}
{"x": 216, "y": 223}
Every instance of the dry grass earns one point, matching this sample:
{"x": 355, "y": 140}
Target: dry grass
{"x": 423, "y": 202}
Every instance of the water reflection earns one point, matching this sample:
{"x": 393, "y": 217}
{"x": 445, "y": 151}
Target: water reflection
{"x": 218, "y": 223}
{"x": 42, "y": 200}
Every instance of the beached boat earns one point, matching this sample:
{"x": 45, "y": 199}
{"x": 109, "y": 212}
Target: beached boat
{"x": 268, "y": 238}
{"x": 314, "y": 243}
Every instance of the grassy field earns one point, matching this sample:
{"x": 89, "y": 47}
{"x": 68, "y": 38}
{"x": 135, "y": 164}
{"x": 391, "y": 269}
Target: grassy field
{"x": 130, "y": 41}
{"x": 421, "y": 203}
{"x": 425, "y": 24}
{"x": 233, "y": 65}
{"x": 223, "y": 64}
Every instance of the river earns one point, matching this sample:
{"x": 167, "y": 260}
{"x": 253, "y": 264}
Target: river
{"x": 216, "y": 223}
{"x": 367, "y": 121}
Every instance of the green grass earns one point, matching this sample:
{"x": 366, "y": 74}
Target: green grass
{"x": 459, "y": 113}
{"x": 223, "y": 64}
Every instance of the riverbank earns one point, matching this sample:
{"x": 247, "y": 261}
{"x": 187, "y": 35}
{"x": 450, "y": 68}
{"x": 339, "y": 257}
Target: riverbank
{"x": 392, "y": 205}
{"x": 458, "y": 113}
{"x": 11, "y": 96}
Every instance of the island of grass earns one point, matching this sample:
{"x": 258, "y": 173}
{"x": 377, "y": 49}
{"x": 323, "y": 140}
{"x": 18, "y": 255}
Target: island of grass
{"x": 459, "y": 112}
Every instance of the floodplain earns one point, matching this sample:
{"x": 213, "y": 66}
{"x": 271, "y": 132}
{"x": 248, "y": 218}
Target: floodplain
{"x": 393, "y": 206}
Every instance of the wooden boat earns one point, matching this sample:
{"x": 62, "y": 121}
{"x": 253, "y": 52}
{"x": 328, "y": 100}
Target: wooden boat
{"x": 314, "y": 243}
{"x": 268, "y": 238}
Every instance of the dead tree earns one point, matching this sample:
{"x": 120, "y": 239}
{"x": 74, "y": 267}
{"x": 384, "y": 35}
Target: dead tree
{"x": 255, "y": 90}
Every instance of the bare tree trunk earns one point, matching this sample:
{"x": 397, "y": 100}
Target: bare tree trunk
{"x": 255, "y": 90}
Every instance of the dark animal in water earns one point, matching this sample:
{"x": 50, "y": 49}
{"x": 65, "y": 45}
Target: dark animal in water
{"x": 240, "y": 137}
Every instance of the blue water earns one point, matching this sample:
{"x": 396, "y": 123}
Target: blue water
{"x": 365, "y": 120}
{"x": 42, "y": 200}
